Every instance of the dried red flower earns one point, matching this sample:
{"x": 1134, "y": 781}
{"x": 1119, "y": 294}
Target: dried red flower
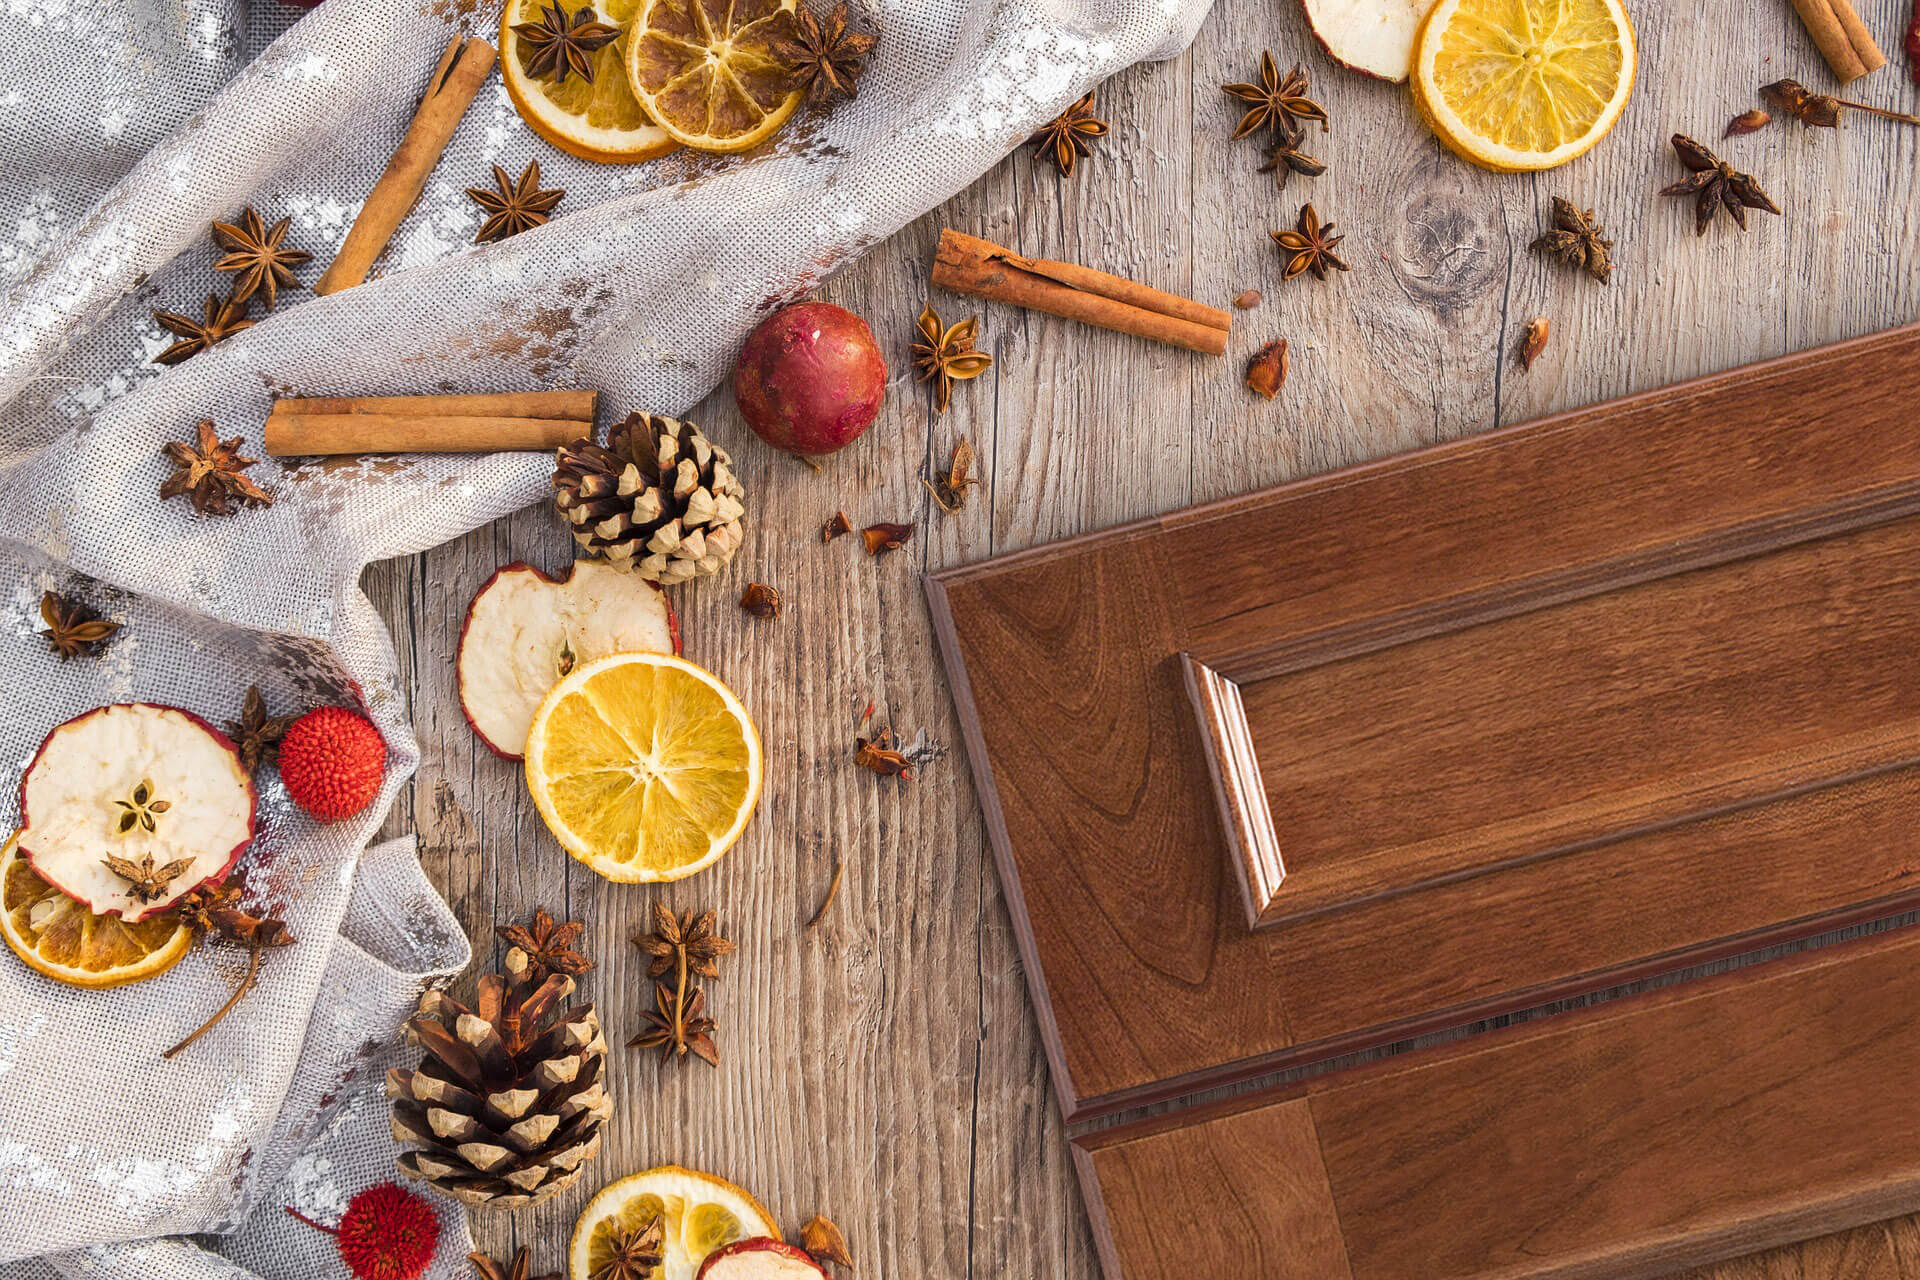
{"x": 387, "y": 1233}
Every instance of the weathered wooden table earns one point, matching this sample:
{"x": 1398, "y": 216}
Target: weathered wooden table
{"x": 884, "y": 1067}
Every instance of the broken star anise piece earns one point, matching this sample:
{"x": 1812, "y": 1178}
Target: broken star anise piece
{"x": 1067, "y": 136}
{"x": 256, "y": 733}
{"x": 548, "y": 945}
{"x": 761, "y": 600}
{"x": 516, "y": 206}
{"x": 1714, "y": 183}
{"x": 1752, "y": 120}
{"x": 1578, "y": 240}
{"x": 1309, "y": 246}
{"x": 835, "y": 527}
{"x": 223, "y": 318}
{"x": 825, "y": 54}
{"x": 688, "y": 940}
{"x": 825, "y": 1242}
{"x": 562, "y": 44}
{"x": 145, "y": 882}
{"x": 211, "y": 472}
{"x": 74, "y": 630}
{"x": 878, "y": 754}
{"x": 259, "y": 256}
{"x": 633, "y": 1253}
{"x": 493, "y": 1269}
{"x": 1279, "y": 103}
{"x": 949, "y": 489}
{"x": 885, "y": 536}
{"x": 1267, "y": 370}
{"x": 217, "y": 917}
{"x": 1533, "y": 340}
{"x": 946, "y": 355}
{"x": 1286, "y": 160}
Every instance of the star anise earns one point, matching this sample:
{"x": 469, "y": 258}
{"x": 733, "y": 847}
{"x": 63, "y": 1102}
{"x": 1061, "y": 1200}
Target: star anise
{"x": 1578, "y": 240}
{"x": 949, "y": 489}
{"x": 74, "y": 630}
{"x": 517, "y": 206}
{"x": 1309, "y": 246}
{"x": 263, "y": 263}
{"x": 678, "y": 1025}
{"x": 491, "y": 1269}
{"x": 1821, "y": 110}
{"x": 562, "y": 44}
{"x": 826, "y": 57}
{"x": 1064, "y": 138}
{"x": 211, "y": 473}
{"x": 1278, "y": 102}
{"x": 634, "y": 1253}
{"x": 549, "y": 946}
{"x": 223, "y": 319}
{"x": 256, "y": 733}
{"x": 198, "y": 907}
{"x": 687, "y": 938}
{"x": 141, "y": 809}
{"x": 145, "y": 883}
{"x": 946, "y": 355}
{"x": 1286, "y": 159}
{"x": 1714, "y": 183}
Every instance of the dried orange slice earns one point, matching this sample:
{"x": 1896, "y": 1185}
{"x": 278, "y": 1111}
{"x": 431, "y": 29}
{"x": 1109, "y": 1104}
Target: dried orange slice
{"x": 59, "y": 937}
{"x": 595, "y": 120}
{"x": 698, "y": 1214}
{"x": 1514, "y": 85}
{"x": 644, "y": 766}
{"x": 711, "y": 71}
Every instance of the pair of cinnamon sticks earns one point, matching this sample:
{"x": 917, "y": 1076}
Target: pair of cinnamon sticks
{"x": 968, "y": 264}
{"x": 522, "y": 420}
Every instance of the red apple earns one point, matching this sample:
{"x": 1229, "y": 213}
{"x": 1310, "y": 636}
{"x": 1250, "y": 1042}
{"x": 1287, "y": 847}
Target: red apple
{"x": 132, "y": 781}
{"x": 810, "y": 379}
{"x": 525, "y": 629}
{"x": 759, "y": 1258}
{"x": 1373, "y": 37}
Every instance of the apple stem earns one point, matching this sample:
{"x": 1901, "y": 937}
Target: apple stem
{"x": 246, "y": 985}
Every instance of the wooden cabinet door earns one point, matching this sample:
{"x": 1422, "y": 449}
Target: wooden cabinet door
{"x": 1459, "y": 731}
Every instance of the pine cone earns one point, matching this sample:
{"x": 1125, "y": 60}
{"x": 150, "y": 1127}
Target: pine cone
{"x": 660, "y": 498}
{"x": 507, "y": 1105}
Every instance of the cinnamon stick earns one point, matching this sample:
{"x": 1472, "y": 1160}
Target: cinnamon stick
{"x": 457, "y": 78}
{"x": 968, "y": 264}
{"x": 578, "y": 405}
{"x": 290, "y": 435}
{"x": 1842, "y": 38}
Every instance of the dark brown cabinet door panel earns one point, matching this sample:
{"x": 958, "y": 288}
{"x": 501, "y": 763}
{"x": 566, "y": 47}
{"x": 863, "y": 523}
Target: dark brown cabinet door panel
{"x": 1460, "y": 731}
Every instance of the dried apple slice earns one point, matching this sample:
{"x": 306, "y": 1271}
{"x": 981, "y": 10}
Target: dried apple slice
{"x": 1373, "y": 37}
{"x": 760, "y": 1258}
{"x": 526, "y": 629}
{"x": 126, "y": 783}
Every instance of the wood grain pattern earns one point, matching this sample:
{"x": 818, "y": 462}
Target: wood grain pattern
{"x": 1609, "y": 709}
{"x": 887, "y": 1066}
{"x": 1695, "y": 1123}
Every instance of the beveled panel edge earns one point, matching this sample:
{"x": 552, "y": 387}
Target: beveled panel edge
{"x": 1237, "y": 787}
{"x": 986, "y": 788}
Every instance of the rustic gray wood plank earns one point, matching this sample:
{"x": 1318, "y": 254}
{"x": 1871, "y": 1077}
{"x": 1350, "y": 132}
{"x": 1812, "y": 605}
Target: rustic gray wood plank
{"x": 885, "y": 1067}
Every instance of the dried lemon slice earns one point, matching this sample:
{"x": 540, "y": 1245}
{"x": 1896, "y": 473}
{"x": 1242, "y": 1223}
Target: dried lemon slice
{"x": 698, "y": 1214}
{"x": 595, "y": 120}
{"x": 711, "y": 72}
{"x": 1514, "y": 85}
{"x": 644, "y": 766}
{"x": 59, "y": 937}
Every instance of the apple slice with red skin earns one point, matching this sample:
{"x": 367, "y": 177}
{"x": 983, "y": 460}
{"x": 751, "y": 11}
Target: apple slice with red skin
{"x": 1373, "y": 37}
{"x": 170, "y": 779}
{"x": 525, "y": 629}
{"x": 760, "y": 1258}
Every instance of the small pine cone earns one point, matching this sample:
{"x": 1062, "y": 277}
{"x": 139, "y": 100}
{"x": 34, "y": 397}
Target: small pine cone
{"x": 507, "y": 1105}
{"x": 659, "y": 498}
